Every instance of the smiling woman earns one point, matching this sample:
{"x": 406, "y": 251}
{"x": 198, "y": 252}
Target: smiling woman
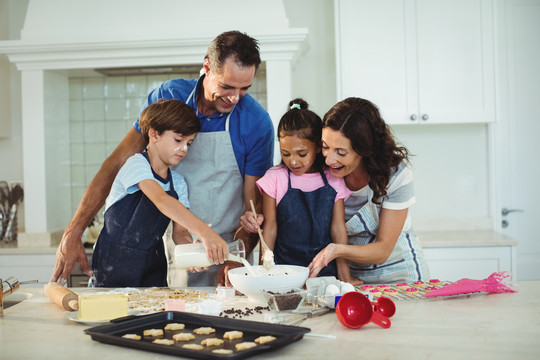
{"x": 382, "y": 245}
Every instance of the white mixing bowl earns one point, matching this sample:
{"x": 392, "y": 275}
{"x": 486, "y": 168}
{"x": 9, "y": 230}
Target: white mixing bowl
{"x": 279, "y": 276}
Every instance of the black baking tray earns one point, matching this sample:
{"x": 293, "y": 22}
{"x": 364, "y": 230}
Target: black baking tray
{"x": 112, "y": 334}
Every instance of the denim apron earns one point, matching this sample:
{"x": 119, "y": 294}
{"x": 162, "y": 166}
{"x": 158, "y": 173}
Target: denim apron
{"x": 303, "y": 225}
{"x": 406, "y": 262}
{"x": 129, "y": 251}
{"x": 215, "y": 188}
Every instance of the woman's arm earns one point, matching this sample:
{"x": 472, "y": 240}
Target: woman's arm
{"x": 216, "y": 247}
{"x": 390, "y": 225}
{"x": 270, "y": 223}
{"x": 338, "y": 232}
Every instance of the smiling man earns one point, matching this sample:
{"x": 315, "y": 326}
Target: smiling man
{"x": 232, "y": 151}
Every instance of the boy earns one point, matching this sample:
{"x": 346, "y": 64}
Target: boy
{"x": 145, "y": 195}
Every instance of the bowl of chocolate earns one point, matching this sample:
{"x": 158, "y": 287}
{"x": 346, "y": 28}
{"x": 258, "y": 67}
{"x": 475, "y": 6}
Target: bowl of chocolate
{"x": 285, "y": 298}
{"x": 273, "y": 279}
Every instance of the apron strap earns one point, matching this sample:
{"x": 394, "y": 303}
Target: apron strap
{"x": 226, "y": 120}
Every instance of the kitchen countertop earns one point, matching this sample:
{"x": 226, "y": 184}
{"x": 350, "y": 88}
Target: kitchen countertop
{"x": 493, "y": 326}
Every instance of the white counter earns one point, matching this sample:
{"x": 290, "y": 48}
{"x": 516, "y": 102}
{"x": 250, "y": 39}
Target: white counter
{"x": 495, "y": 326}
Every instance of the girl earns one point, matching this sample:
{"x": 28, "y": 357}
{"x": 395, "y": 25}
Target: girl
{"x": 302, "y": 204}
{"x": 144, "y": 197}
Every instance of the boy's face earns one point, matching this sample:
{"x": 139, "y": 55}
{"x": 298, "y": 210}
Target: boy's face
{"x": 172, "y": 147}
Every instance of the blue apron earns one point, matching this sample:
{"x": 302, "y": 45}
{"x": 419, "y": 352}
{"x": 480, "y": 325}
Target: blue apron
{"x": 406, "y": 262}
{"x": 129, "y": 251}
{"x": 303, "y": 225}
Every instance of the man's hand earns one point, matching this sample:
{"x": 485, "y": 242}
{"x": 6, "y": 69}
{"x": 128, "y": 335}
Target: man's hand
{"x": 70, "y": 252}
{"x": 222, "y": 277}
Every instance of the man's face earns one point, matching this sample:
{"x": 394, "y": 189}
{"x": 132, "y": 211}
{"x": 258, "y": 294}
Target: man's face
{"x": 223, "y": 89}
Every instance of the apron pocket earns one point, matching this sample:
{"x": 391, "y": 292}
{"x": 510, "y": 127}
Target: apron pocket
{"x": 122, "y": 266}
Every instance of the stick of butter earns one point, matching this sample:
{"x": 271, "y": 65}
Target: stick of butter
{"x": 102, "y": 307}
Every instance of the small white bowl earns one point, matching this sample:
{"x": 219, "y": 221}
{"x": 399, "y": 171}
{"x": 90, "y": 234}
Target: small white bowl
{"x": 279, "y": 276}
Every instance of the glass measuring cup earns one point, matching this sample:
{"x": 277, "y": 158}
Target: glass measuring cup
{"x": 194, "y": 255}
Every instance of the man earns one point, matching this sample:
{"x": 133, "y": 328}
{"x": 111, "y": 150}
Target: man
{"x": 232, "y": 151}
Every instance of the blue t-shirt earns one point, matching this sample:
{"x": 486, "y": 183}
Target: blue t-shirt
{"x": 250, "y": 127}
{"x": 137, "y": 169}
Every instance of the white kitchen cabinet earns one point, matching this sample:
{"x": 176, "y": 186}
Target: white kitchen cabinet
{"x": 454, "y": 263}
{"x": 419, "y": 61}
{"x": 28, "y": 267}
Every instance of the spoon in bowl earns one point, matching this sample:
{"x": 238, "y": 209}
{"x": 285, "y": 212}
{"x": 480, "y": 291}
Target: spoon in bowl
{"x": 268, "y": 255}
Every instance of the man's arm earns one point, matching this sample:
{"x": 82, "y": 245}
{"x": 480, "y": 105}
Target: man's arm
{"x": 71, "y": 250}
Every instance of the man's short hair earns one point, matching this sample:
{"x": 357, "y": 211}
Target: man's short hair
{"x": 243, "y": 48}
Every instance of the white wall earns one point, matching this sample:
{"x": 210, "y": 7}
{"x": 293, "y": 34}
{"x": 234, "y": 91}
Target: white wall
{"x": 314, "y": 76}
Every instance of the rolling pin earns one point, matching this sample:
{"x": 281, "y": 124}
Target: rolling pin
{"x": 61, "y": 296}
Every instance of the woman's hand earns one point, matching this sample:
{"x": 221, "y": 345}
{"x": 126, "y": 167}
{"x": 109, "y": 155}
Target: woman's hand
{"x": 249, "y": 223}
{"x": 322, "y": 259}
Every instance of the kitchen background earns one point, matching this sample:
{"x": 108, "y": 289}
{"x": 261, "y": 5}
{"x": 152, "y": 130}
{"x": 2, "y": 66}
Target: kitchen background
{"x": 84, "y": 69}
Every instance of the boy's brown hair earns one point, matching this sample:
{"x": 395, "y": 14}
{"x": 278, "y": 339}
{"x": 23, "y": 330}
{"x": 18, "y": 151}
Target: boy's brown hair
{"x": 164, "y": 115}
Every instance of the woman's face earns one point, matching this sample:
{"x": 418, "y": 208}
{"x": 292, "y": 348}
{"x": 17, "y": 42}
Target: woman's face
{"x": 339, "y": 154}
{"x": 297, "y": 154}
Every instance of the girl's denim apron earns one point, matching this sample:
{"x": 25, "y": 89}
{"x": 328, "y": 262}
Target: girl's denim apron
{"x": 303, "y": 225}
{"x": 129, "y": 251}
{"x": 406, "y": 262}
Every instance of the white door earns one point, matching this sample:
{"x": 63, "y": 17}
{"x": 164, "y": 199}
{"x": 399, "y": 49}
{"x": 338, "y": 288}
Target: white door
{"x": 517, "y": 132}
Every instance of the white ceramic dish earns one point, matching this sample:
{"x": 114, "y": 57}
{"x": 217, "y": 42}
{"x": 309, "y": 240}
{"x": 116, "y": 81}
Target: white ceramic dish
{"x": 74, "y": 316}
{"x": 279, "y": 276}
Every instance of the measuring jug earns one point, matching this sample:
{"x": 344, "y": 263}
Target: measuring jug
{"x": 194, "y": 254}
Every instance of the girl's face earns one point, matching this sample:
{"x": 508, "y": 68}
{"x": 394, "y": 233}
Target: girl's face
{"x": 339, "y": 154}
{"x": 172, "y": 147}
{"x": 297, "y": 154}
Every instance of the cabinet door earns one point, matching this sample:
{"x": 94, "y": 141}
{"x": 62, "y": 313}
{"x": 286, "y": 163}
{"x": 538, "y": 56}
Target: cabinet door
{"x": 455, "y": 60}
{"x": 452, "y": 264}
{"x": 419, "y": 61}
{"x": 374, "y": 43}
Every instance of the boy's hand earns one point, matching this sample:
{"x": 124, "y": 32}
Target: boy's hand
{"x": 216, "y": 249}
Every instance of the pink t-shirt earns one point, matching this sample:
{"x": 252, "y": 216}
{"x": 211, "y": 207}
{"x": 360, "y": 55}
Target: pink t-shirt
{"x": 275, "y": 183}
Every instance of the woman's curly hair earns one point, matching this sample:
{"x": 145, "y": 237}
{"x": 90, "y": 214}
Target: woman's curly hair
{"x": 359, "y": 120}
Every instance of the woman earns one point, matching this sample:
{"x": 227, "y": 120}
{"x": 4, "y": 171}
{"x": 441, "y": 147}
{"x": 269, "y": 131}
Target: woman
{"x": 359, "y": 147}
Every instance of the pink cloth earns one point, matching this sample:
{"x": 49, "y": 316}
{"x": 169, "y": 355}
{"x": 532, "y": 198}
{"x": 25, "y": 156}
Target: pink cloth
{"x": 276, "y": 182}
{"x": 496, "y": 283}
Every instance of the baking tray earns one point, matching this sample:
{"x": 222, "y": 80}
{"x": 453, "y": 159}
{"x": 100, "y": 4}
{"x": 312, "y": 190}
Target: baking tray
{"x": 112, "y": 334}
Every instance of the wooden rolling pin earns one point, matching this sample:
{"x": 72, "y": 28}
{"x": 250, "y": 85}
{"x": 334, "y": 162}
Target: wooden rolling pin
{"x": 61, "y": 296}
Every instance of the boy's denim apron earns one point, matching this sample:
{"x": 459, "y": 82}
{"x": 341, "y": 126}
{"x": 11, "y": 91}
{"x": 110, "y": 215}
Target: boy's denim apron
{"x": 129, "y": 251}
{"x": 303, "y": 225}
{"x": 406, "y": 262}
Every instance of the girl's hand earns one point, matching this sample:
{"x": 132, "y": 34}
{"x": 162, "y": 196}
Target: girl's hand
{"x": 322, "y": 259}
{"x": 249, "y": 223}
